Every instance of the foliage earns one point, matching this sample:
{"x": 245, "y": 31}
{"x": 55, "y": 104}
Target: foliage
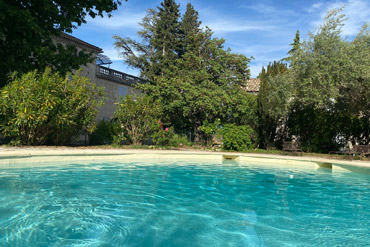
{"x": 324, "y": 95}
{"x": 164, "y": 38}
{"x": 273, "y": 101}
{"x": 209, "y": 129}
{"x": 138, "y": 54}
{"x": 163, "y": 136}
{"x": 244, "y": 109}
{"x": 189, "y": 28}
{"x": 38, "y": 108}
{"x": 27, "y": 27}
{"x": 296, "y": 46}
{"x": 104, "y": 132}
{"x": 237, "y": 138}
{"x": 194, "y": 77}
{"x": 180, "y": 141}
{"x": 201, "y": 86}
{"x": 138, "y": 118}
{"x": 166, "y": 42}
{"x": 332, "y": 77}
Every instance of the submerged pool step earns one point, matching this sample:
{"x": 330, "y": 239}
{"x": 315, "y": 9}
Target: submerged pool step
{"x": 230, "y": 157}
{"x": 325, "y": 165}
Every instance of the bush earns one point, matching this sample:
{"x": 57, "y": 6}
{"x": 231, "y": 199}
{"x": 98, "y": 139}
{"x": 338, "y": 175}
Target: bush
{"x": 104, "y": 132}
{"x": 163, "y": 136}
{"x": 39, "y": 108}
{"x": 138, "y": 118}
{"x": 180, "y": 141}
{"x": 237, "y": 138}
{"x": 166, "y": 137}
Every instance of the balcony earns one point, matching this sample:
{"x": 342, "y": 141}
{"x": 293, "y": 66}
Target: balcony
{"x": 117, "y": 76}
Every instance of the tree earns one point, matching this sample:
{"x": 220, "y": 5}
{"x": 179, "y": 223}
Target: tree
{"x": 189, "y": 28}
{"x": 46, "y": 108}
{"x": 138, "y": 118}
{"x": 136, "y": 54}
{"x": 273, "y": 101}
{"x": 27, "y": 27}
{"x": 202, "y": 86}
{"x": 160, "y": 43}
{"x": 166, "y": 42}
{"x": 296, "y": 45}
{"x": 330, "y": 95}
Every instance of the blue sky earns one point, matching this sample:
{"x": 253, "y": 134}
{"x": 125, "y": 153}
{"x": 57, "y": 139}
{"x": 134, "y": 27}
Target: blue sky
{"x": 262, "y": 29}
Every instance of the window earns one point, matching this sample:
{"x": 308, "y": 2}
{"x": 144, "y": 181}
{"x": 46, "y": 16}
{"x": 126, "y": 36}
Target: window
{"x": 122, "y": 91}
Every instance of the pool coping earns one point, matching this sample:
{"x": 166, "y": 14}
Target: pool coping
{"x": 16, "y": 155}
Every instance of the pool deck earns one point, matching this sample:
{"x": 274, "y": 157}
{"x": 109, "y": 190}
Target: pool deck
{"x": 14, "y": 155}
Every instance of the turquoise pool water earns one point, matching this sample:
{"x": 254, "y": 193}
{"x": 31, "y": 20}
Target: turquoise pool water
{"x": 172, "y": 204}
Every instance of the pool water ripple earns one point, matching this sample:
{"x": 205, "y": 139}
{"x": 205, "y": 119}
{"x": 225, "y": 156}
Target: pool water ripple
{"x": 172, "y": 204}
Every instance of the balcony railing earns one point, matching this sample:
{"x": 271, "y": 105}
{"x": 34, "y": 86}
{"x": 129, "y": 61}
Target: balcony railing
{"x": 117, "y": 76}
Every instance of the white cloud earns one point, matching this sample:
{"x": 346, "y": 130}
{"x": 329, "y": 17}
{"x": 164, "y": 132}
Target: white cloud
{"x": 225, "y": 26}
{"x": 256, "y": 50}
{"x": 124, "y": 19}
{"x": 112, "y": 54}
{"x": 269, "y": 10}
{"x": 315, "y": 7}
{"x": 357, "y": 12}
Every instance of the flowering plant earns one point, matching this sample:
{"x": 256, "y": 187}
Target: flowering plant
{"x": 163, "y": 135}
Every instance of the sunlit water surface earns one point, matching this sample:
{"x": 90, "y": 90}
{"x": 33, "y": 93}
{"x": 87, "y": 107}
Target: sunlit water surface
{"x": 173, "y": 204}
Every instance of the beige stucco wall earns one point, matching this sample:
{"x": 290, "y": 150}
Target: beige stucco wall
{"x": 111, "y": 94}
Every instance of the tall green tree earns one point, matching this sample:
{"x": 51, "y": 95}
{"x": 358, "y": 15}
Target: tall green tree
{"x": 327, "y": 88}
{"x": 138, "y": 54}
{"x": 166, "y": 41}
{"x": 275, "y": 91}
{"x": 202, "y": 86}
{"x": 26, "y": 28}
{"x": 296, "y": 45}
{"x": 331, "y": 77}
{"x": 189, "y": 28}
{"x": 161, "y": 42}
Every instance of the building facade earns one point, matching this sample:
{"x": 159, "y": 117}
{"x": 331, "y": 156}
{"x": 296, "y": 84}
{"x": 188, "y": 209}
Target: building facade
{"x": 116, "y": 84}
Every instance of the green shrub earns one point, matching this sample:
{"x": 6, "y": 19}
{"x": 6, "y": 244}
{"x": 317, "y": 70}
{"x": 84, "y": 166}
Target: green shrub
{"x": 104, "y": 132}
{"x": 166, "y": 137}
{"x": 163, "y": 136}
{"x": 180, "y": 141}
{"x": 138, "y": 118}
{"x": 39, "y": 108}
{"x": 237, "y": 138}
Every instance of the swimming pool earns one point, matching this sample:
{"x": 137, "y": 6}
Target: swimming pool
{"x": 172, "y": 203}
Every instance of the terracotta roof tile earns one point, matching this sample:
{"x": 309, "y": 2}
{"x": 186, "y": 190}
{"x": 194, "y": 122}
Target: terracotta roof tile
{"x": 253, "y": 85}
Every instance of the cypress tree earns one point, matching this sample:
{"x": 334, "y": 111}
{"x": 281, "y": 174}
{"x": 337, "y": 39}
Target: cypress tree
{"x": 296, "y": 46}
{"x": 189, "y": 28}
{"x": 268, "y": 113}
{"x": 166, "y": 41}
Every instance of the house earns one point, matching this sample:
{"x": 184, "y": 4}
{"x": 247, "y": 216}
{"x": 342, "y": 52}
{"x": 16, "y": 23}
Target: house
{"x": 253, "y": 85}
{"x": 116, "y": 84}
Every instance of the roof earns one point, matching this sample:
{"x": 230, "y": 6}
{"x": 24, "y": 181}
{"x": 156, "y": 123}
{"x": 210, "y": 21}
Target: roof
{"x": 81, "y": 43}
{"x": 253, "y": 85}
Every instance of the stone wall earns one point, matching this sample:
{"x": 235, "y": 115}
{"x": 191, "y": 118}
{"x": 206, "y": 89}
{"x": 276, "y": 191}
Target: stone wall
{"x": 111, "y": 89}
{"x": 111, "y": 84}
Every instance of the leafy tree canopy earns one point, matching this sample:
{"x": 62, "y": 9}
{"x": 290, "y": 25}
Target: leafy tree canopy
{"x": 196, "y": 79}
{"x": 324, "y": 94}
{"x": 26, "y": 28}
{"x": 203, "y": 85}
{"x": 46, "y": 108}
